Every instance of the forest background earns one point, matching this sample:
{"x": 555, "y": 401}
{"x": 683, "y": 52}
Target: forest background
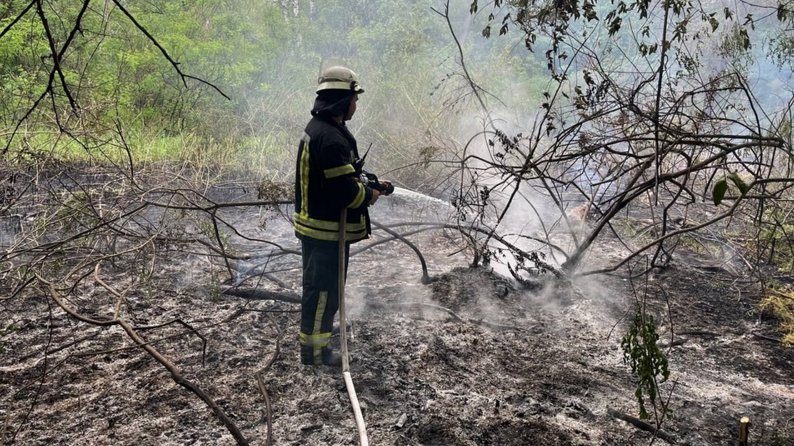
{"x": 265, "y": 56}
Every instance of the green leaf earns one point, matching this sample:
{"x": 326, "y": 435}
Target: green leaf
{"x": 719, "y": 191}
{"x": 739, "y": 182}
{"x": 713, "y": 22}
{"x": 782, "y": 12}
{"x": 614, "y": 25}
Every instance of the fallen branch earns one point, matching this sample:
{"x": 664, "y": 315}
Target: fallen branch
{"x": 425, "y": 276}
{"x": 176, "y": 374}
{"x": 451, "y": 313}
{"x": 675, "y": 343}
{"x": 188, "y": 327}
{"x": 767, "y": 338}
{"x": 256, "y": 294}
{"x": 636, "y": 422}
{"x": 680, "y": 341}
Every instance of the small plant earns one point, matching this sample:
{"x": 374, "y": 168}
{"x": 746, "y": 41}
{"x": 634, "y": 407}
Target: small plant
{"x": 647, "y": 361}
{"x": 215, "y": 287}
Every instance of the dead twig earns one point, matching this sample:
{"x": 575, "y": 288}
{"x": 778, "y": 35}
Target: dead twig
{"x": 14, "y": 22}
{"x": 672, "y": 344}
{"x": 425, "y": 276}
{"x": 190, "y": 328}
{"x": 260, "y": 382}
{"x": 697, "y": 333}
{"x": 766, "y": 338}
{"x": 176, "y": 374}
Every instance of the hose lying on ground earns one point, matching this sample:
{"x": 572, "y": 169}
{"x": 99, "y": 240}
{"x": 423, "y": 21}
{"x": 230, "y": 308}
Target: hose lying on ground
{"x": 351, "y": 390}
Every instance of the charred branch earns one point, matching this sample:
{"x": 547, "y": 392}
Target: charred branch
{"x": 636, "y": 422}
{"x": 259, "y": 294}
{"x": 132, "y": 332}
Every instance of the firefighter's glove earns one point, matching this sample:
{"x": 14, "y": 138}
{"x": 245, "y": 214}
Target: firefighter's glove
{"x": 371, "y": 180}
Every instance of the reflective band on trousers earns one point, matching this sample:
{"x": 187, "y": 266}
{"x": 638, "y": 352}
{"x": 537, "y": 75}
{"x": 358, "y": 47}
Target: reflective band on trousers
{"x": 318, "y": 340}
{"x": 318, "y": 315}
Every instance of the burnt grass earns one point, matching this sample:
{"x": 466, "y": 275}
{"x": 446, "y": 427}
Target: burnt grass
{"x": 500, "y": 366}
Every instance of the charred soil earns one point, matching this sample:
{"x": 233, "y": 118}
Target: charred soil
{"x": 469, "y": 359}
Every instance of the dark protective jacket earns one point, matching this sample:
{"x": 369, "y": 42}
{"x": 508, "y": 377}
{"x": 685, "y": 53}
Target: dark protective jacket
{"x": 327, "y": 181}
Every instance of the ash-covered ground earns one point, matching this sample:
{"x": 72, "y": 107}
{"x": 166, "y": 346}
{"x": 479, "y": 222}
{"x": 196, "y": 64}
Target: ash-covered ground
{"x": 469, "y": 359}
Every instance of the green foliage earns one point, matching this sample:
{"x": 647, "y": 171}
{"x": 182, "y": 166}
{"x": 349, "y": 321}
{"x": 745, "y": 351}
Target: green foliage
{"x": 647, "y": 361}
{"x": 721, "y": 187}
{"x": 739, "y": 182}
{"x": 117, "y": 73}
{"x": 690, "y": 26}
{"x": 264, "y": 55}
{"x": 782, "y": 43}
{"x": 20, "y": 76}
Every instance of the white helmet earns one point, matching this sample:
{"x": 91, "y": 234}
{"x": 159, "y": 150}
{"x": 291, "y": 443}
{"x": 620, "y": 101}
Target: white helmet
{"x": 339, "y": 78}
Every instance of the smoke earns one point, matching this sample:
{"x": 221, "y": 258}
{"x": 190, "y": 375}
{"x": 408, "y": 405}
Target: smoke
{"x": 524, "y": 212}
{"x": 416, "y": 98}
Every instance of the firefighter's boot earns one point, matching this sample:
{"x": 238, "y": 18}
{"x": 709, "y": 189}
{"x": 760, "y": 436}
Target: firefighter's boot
{"x": 320, "y": 356}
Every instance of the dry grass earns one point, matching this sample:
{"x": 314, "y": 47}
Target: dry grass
{"x": 780, "y": 303}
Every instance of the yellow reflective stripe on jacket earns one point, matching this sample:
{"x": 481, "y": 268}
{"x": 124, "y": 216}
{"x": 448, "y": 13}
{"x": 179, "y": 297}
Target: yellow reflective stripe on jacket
{"x": 326, "y": 225}
{"x": 304, "y": 205}
{"x": 318, "y": 340}
{"x": 339, "y": 171}
{"x": 359, "y": 200}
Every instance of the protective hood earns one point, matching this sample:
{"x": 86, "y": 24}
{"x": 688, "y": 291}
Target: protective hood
{"x": 331, "y": 103}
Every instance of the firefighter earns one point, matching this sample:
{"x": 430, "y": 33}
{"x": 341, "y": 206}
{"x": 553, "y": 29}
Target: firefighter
{"x": 327, "y": 180}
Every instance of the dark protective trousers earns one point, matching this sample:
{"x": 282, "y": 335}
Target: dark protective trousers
{"x": 320, "y": 294}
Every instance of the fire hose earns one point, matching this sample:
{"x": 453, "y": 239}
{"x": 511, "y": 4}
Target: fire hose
{"x": 351, "y": 390}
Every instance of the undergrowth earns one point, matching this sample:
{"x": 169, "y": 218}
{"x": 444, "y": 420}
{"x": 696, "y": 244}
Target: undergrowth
{"x": 780, "y": 303}
{"x": 269, "y": 155}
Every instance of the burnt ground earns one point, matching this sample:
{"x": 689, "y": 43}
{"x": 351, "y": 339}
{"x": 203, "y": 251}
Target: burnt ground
{"x": 496, "y": 366}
